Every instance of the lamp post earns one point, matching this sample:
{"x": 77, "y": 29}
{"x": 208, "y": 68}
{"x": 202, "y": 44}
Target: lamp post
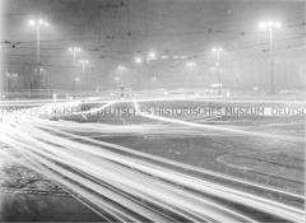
{"x": 3, "y": 69}
{"x": 76, "y": 81}
{"x": 218, "y": 51}
{"x": 141, "y": 63}
{"x": 121, "y": 69}
{"x": 74, "y": 51}
{"x": 144, "y": 63}
{"x": 38, "y": 24}
{"x": 138, "y": 60}
{"x": 190, "y": 65}
{"x": 270, "y": 26}
{"x": 83, "y": 63}
{"x": 152, "y": 55}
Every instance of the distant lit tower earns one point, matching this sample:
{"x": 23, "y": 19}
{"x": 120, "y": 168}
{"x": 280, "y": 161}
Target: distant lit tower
{"x": 270, "y": 27}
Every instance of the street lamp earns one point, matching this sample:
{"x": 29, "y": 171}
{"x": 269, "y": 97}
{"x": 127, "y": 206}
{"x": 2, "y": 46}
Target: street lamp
{"x": 218, "y": 51}
{"x": 152, "y": 55}
{"x": 76, "y": 82}
{"x": 77, "y": 79}
{"x": 117, "y": 79}
{"x": 138, "y": 60}
{"x": 270, "y": 26}
{"x": 38, "y": 24}
{"x": 74, "y": 51}
{"x": 190, "y": 65}
{"x": 164, "y": 57}
{"x": 121, "y": 69}
{"x": 83, "y": 63}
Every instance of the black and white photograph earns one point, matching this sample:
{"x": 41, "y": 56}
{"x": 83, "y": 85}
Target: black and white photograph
{"x": 178, "y": 111}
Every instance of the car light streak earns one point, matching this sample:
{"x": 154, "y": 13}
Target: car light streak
{"x": 129, "y": 187}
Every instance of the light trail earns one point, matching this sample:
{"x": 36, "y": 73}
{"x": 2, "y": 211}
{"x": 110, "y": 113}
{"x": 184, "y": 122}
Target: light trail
{"x": 106, "y": 130}
{"x": 113, "y": 174}
{"x": 216, "y": 128}
{"x": 128, "y": 187}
